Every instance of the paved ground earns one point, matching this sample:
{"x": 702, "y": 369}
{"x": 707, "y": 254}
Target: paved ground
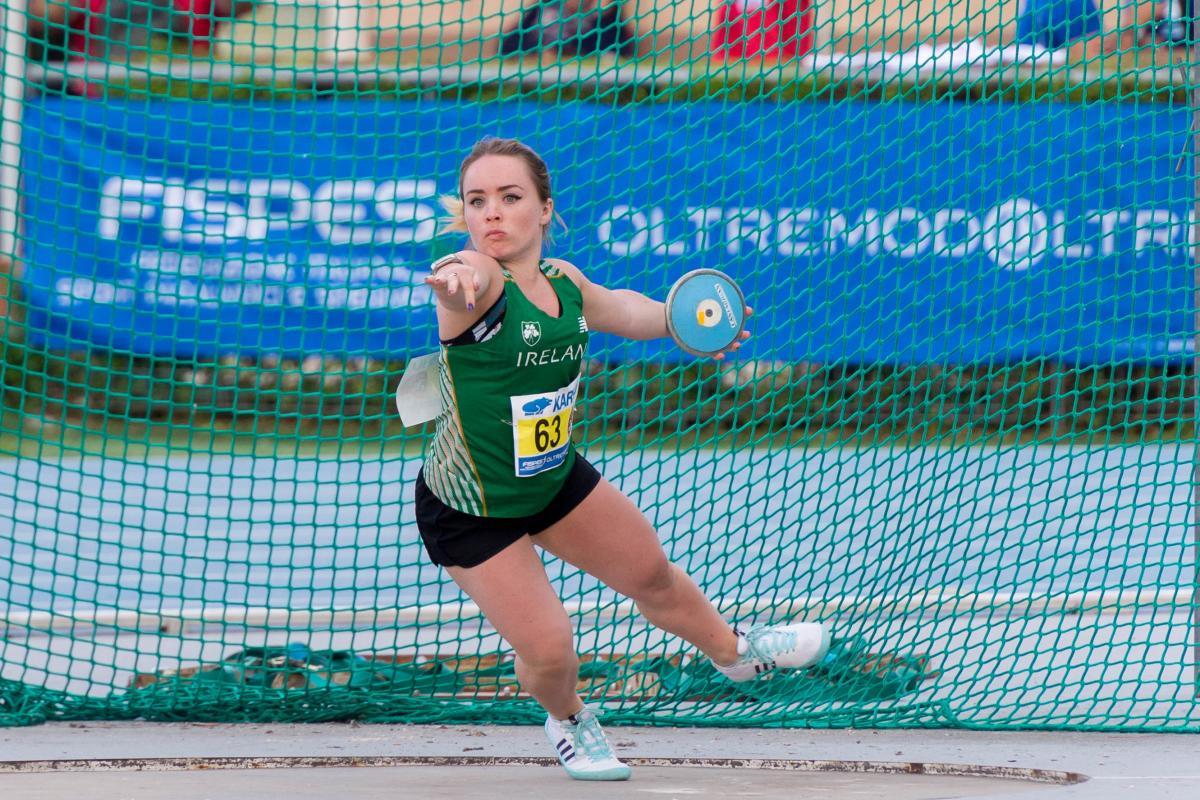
{"x": 900, "y": 527}
{"x": 147, "y": 761}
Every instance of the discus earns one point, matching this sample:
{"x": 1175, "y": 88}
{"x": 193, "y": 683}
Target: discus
{"x": 706, "y": 312}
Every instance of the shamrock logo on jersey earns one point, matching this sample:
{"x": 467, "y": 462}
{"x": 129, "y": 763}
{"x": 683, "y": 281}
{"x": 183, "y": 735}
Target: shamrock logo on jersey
{"x": 531, "y": 332}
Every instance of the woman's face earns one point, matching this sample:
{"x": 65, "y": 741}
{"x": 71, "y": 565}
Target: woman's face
{"x": 503, "y": 212}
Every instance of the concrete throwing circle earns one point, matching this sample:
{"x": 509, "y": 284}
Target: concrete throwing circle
{"x": 467, "y": 778}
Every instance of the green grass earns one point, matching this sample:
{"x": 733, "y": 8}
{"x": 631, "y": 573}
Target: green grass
{"x": 1146, "y": 75}
{"x": 73, "y": 404}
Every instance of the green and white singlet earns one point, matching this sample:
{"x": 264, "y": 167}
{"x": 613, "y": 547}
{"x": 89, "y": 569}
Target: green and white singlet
{"x": 502, "y": 444}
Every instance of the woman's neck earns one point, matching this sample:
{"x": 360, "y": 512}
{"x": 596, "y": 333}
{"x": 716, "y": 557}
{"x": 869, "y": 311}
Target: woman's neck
{"x": 523, "y": 269}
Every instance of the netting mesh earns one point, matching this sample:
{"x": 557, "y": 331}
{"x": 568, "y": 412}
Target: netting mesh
{"x": 963, "y": 433}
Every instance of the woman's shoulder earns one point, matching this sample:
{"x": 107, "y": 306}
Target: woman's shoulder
{"x": 567, "y": 268}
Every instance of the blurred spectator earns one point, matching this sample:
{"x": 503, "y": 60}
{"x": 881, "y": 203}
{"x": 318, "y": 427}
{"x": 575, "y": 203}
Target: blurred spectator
{"x": 61, "y": 30}
{"x": 570, "y": 28}
{"x": 1054, "y": 24}
{"x": 110, "y": 31}
{"x": 762, "y": 29}
{"x": 1174, "y": 25}
{"x": 1079, "y": 26}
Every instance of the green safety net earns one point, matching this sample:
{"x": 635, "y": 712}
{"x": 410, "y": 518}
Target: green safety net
{"x": 963, "y": 433}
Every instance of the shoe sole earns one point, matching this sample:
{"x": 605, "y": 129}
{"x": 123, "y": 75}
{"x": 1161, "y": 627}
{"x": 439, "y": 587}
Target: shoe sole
{"x": 613, "y": 774}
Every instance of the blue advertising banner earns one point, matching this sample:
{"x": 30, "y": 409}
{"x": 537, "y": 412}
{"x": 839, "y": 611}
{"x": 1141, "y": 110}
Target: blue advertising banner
{"x": 859, "y": 232}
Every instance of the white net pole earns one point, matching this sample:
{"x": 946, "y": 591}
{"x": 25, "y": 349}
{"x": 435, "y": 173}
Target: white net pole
{"x": 12, "y": 71}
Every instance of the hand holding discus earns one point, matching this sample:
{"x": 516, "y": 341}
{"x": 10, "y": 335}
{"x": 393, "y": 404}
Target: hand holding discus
{"x": 706, "y": 314}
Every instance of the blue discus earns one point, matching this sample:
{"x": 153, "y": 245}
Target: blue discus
{"x": 705, "y": 312}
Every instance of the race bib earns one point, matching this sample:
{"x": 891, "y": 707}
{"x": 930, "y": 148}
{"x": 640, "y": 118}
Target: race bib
{"x": 542, "y": 429}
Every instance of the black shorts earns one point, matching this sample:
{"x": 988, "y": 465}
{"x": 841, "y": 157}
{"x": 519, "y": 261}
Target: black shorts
{"x": 455, "y": 539}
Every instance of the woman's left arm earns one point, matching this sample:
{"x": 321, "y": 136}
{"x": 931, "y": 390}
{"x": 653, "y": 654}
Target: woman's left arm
{"x": 623, "y": 311}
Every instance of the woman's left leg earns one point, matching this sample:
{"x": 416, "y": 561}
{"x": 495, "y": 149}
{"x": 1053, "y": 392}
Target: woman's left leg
{"x": 608, "y": 537}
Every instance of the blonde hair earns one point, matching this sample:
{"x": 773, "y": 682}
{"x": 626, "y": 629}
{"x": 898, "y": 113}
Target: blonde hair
{"x": 493, "y": 146}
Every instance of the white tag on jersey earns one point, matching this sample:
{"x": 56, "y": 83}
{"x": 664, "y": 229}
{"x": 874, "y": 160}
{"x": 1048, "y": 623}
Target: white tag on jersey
{"x": 419, "y": 395}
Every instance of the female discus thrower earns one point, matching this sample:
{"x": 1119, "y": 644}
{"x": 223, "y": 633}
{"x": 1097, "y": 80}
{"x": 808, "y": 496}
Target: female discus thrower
{"x": 500, "y": 474}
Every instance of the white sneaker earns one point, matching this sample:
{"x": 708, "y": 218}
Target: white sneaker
{"x": 766, "y": 647}
{"x": 583, "y": 749}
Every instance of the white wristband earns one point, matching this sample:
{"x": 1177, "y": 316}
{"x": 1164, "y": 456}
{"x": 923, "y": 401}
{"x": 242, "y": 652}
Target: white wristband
{"x": 443, "y": 262}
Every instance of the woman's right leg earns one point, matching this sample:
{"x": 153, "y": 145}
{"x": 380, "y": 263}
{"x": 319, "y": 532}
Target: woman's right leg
{"x": 514, "y": 594}
{"x": 512, "y": 590}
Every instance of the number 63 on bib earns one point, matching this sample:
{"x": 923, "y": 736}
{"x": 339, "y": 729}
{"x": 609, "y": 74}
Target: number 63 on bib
{"x": 542, "y": 429}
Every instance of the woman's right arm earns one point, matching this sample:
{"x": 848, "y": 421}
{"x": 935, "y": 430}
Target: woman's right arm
{"x": 463, "y": 283}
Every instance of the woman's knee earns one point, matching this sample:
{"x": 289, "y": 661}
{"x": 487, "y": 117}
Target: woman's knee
{"x": 551, "y": 656}
{"x": 655, "y": 579}
{"x": 548, "y": 647}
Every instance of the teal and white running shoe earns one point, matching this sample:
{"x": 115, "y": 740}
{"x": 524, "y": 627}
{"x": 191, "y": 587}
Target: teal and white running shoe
{"x": 583, "y": 749}
{"x": 766, "y": 647}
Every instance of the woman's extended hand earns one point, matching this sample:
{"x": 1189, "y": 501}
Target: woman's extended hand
{"x": 745, "y": 335}
{"x": 453, "y": 278}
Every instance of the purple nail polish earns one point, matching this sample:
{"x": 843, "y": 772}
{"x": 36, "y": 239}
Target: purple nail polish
{"x": 470, "y": 306}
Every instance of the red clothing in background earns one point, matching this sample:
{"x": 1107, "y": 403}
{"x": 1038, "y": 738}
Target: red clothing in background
{"x": 762, "y": 29}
